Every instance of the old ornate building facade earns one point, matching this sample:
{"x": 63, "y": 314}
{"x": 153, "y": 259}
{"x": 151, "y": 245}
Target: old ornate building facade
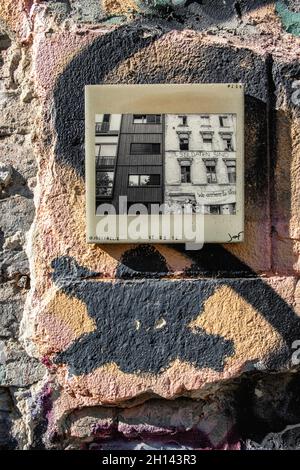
{"x": 200, "y": 162}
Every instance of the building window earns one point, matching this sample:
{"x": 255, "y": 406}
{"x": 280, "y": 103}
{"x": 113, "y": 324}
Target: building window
{"x": 144, "y": 180}
{"x": 145, "y": 149}
{"x": 146, "y": 119}
{"x": 104, "y": 125}
{"x": 205, "y": 121}
{"x": 207, "y": 137}
{"x": 183, "y": 141}
{"x": 139, "y": 119}
{"x": 231, "y": 170}
{"x": 183, "y": 120}
{"x": 228, "y": 209}
{"x": 211, "y": 171}
{"x": 153, "y": 118}
{"x": 150, "y": 180}
{"x": 185, "y": 173}
{"x": 215, "y": 210}
{"x": 224, "y": 121}
{"x": 104, "y": 183}
{"x": 133, "y": 180}
{"x": 227, "y": 139}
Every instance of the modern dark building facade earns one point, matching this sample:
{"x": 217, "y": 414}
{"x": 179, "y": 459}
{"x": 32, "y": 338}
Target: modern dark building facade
{"x": 136, "y": 167}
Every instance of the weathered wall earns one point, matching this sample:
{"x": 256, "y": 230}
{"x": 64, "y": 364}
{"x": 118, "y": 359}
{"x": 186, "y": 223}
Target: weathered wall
{"x": 221, "y": 369}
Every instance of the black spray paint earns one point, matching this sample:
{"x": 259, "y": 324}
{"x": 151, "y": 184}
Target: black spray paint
{"x": 127, "y": 312}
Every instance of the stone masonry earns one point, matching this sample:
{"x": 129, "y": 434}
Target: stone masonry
{"x": 215, "y": 362}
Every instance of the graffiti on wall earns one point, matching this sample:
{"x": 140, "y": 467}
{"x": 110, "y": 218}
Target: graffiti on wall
{"x": 117, "y": 321}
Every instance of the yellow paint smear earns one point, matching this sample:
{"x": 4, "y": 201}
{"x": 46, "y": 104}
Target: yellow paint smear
{"x": 117, "y": 7}
{"x": 227, "y": 314}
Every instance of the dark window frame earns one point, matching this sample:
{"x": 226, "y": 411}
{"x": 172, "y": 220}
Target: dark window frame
{"x": 218, "y": 212}
{"x": 184, "y": 120}
{"x": 185, "y": 174}
{"x": 211, "y": 175}
{"x": 157, "y": 119}
{"x": 110, "y": 186}
{"x": 184, "y": 143}
{"x": 207, "y": 138}
{"x": 228, "y": 143}
{"x": 221, "y": 121}
{"x": 139, "y": 185}
{"x": 158, "y": 144}
{"x": 231, "y": 164}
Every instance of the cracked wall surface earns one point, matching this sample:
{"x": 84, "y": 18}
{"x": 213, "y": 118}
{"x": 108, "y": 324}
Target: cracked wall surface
{"x": 212, "y": 363}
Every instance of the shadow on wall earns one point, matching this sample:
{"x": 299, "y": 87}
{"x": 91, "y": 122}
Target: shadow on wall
{"x": 149, "y": 321}
{"x": 114, "y": 305}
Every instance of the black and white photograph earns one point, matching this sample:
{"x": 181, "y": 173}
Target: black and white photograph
{"x": 165, "y": 163}
{"x": 174, "y": 160}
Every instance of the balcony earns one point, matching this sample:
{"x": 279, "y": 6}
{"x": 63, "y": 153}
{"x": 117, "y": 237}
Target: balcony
{"x": 105, "y": 162}
{"x": 102, "y": 127}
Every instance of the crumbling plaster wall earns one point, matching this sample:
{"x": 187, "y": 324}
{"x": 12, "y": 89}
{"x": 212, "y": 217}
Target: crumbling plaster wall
{"x": 226, "y": 377}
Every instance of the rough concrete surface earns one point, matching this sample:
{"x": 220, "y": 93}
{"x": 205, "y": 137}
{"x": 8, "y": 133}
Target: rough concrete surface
{"x": 140, "y": 347}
